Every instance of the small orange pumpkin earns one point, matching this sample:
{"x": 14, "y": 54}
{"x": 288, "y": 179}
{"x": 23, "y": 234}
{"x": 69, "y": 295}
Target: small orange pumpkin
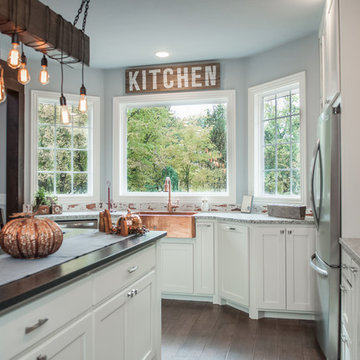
{"x": 30, "y": 237}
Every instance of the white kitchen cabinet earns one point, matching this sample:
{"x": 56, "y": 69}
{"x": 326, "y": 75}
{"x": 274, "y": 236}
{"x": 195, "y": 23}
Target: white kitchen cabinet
{"x": 112, "y": 313}
{"x": 284, "y": 280}
{"x": 350, "y": 307}
{"x": 140, "y": 313}
{"x": 109, "y": 329}
{"x": 74, "y": 342}
{"x": 177, "y": 266}
{"x": 330, "y": 52}
{"x": 204, "y": 258}
{"x": 234, "y": 263}
{"x": 300, "y": 279}
{"x": 271, "y": 267}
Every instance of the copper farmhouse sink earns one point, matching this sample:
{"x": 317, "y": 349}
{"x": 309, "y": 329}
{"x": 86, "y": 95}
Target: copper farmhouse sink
{"x": 177, "y": 224}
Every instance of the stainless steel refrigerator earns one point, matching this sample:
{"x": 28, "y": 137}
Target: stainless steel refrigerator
{"x": 326, "y": 206}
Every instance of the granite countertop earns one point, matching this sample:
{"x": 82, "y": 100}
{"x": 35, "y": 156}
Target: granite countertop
{"x": 82, "y": 250}
{"x": 235, "y": 216}
{"x": 352, "y": 247}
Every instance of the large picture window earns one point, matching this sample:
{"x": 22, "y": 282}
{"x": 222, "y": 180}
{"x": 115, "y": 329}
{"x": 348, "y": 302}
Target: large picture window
{"x": 63, "y": 155}
{"x": 183, "y": 137}
{"x": 277, "y": 138}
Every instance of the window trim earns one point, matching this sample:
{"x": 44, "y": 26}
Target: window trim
{"x": 120, "y": 154}
{"x": 255, "y": 178}
{"x": 94, "y": 165}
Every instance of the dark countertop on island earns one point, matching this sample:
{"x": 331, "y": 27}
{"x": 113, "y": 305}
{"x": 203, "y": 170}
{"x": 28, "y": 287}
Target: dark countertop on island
{"x": 14, "y": 290}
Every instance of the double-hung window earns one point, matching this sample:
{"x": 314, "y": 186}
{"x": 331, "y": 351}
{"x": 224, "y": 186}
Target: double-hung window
{"x": 277, "y": 140}
{"x": 188, "y": 137}
{"x": 65, "y": 158}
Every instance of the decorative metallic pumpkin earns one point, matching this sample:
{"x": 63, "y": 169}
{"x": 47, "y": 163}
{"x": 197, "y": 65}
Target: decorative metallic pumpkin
{"x": 30, "y": 237}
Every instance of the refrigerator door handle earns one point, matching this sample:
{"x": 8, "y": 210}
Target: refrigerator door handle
{"x": 313, "y": 205}
{"x": 319, "y": 270}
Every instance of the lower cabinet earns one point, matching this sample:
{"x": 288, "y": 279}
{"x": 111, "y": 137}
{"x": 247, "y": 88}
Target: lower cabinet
{"x": 177, "y": 266}
{"x": 74, "y": 342}
{"x": 188, "y": 265}
{"x": 123, "y": 326}
{"x": 234, "y": 263}
{"x": 111, "y": 313}
{"x": 284, "y": 280}
{"x": 350, "y": 308}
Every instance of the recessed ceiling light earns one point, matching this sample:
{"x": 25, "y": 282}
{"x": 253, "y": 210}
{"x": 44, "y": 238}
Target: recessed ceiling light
{"x": 162, "y": 54}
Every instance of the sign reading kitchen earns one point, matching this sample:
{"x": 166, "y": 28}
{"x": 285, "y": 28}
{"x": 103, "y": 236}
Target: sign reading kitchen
{"x": 180, "y": 77}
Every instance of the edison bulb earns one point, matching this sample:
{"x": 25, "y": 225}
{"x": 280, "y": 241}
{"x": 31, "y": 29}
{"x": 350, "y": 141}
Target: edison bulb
{"x": 23, "y": 74}
{"x": 83, "y": 106}
{"x": 65, "y": 115}
{"x": 44, "y": 76}
{"x": 2, "y": 86}
{"x": 83, "y": 103}
{"x": 14, "y": 58}
{"x": 64, "y": 111}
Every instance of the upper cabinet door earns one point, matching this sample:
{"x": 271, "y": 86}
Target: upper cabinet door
{"x": 330, "y": 52}
{"x": 300, "y": 287}
{"x": 271, "y": 270}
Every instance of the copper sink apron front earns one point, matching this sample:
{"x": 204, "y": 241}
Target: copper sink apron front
{"x": 177, "y": 224}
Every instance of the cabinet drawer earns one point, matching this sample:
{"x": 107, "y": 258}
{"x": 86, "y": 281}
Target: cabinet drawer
{"x": 25, "y": 326}
{"x": 117, "y": 276}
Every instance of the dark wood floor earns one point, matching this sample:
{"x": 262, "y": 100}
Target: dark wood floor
{"x": 192, "y": 330}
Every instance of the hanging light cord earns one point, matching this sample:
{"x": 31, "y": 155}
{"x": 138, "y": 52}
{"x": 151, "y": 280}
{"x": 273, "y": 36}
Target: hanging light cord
{"x": 85, "y": 3}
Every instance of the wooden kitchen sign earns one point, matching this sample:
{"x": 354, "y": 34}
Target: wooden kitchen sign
{"x": 180, "y": 77}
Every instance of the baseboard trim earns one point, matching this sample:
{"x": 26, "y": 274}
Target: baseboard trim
{"x": 261, "y": 314}
{"x": 187, "y": 297}
{"x": 286, "y": 315}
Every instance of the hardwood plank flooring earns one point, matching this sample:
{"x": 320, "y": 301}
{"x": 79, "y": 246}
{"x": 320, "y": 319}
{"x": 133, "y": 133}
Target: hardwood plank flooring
{"x": 202, "y": 331}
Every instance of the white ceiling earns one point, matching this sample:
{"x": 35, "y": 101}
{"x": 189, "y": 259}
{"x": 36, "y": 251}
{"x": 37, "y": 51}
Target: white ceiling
{"x": 129, "y": 32}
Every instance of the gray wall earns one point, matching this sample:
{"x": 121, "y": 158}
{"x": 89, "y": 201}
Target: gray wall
{"x": 94, "y": 82}
{"x": 288, "y": 59}
{"x": 3, "y": 148}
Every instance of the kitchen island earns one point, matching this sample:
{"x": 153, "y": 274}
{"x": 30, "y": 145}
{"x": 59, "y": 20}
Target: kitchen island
{"x": 87, "y": 300}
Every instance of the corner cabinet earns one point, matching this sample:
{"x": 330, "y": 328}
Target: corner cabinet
{"x": 234, "y": 263}
{"x": 284, "y": 280}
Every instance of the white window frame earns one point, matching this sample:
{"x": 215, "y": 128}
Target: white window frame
{"x": 255, "y": 136}
{"x": 120, "y": 105}
{"x": 94, "y": 146}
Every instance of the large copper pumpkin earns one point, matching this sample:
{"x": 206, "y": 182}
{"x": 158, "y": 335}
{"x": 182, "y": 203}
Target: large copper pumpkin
{"x": 30, "y": 238}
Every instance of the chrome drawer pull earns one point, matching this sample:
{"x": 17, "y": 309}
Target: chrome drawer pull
{"x": 231, "y": 228}
{"x": 41, "y": 357}
{"x": 40, "y": 322}
{"x": 353, "y": 269}
{"x": 132, "y": 269}
{"x": 343, "y": 288}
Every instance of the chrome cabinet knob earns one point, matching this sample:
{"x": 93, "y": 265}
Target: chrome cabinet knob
{"x": 282, "y": 231}
{"x": 130, "y": 294}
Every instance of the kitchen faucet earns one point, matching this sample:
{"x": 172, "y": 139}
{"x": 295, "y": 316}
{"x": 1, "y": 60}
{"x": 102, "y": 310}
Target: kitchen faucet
{"x": 167, "y": 188}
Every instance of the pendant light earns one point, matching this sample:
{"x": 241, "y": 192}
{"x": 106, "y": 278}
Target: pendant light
{"x": 2, "y": 86}
{"x": 65, "y": 117}
{"x": 23, "y": 72}
{"x": 83, "y": 105}
{"x": 44, "y": 76}
{"x": 14, "y": 57}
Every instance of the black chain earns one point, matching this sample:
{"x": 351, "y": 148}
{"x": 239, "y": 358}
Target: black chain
{"x": 86, "y": 3}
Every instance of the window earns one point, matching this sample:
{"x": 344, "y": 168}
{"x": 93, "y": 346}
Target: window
{"x": 277, "y": 140}
{"x": 187, "y": 137}
{"x": 64, "y": 157}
